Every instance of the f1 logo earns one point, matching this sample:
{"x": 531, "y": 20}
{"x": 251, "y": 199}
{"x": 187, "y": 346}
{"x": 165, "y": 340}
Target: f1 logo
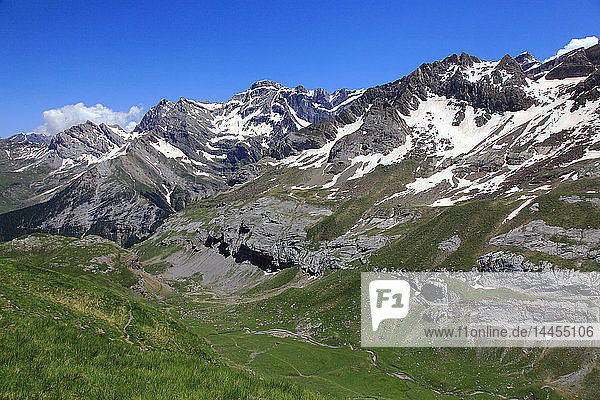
{"x": 389, "y": 299}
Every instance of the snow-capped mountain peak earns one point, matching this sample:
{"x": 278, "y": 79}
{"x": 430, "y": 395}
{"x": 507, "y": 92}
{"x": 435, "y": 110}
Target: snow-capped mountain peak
{"x": 471, "y": 127}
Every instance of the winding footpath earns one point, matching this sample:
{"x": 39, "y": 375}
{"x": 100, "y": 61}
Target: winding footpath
{"x": 397, "y": 374}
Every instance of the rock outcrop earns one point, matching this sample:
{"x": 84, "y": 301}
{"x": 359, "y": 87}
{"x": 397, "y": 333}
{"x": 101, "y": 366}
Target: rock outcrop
{"x": 270, "y": 234}
{"x": 573, "y": 243}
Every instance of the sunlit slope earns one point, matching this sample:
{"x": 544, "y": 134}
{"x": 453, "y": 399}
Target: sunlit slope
{"x": 70, "y": 329}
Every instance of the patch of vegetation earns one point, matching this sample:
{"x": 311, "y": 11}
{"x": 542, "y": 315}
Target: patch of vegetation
{"x": 329, "y": 309}
{"x": 331, "y": 305}
{"x": 362, "y": 196}
{"x": 152, "y": 251}
{"x": 203, "y": 210}
{"x": 157, "y": 268}
{"x": 278, "y": 280}
{"x": 417, "y": 249}
{"x": 335, "y": 373}
{"x": 481, "y": 368}
{"x": 338, "y": 223}
{"x": 93, "y": 257}
{"x": 556, "y": 212}
{"x": 188, "y": 284}
{"x": 63, "y": 335}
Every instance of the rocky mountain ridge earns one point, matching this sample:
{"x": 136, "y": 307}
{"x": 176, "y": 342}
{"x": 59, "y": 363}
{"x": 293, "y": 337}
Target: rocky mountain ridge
{"x": 473, "y": 124}
{"x": 513, "y": 134}
{"x": 180, "y": 152}
{"x": 471, "y": 127}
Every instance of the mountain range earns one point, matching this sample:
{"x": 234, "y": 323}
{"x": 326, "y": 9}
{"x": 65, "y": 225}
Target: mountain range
{"x": 99, "y": 179}
{"x": 216, "y": 250}
{"x": 476, "y": 127}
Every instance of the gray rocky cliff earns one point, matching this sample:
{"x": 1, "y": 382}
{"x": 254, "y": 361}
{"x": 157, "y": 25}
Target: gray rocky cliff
{"x": 576, "y": 63}
{"x": 500, "y": 92}
{"x": 381, "y": 132}
{"x": 87, "y": 139}
{"x": 270, "y": 234}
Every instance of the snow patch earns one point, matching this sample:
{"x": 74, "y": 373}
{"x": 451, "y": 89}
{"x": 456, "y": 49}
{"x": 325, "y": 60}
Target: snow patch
{"x": 516, "y": 212}
{"x": 445, "y": 175}
{"x": 316, "y": 158}
{"x": 371, "y": 161}
{"x": 167, "y": 149}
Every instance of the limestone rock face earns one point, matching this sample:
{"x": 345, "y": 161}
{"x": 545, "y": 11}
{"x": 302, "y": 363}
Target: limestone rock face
{"x": 553, "y": 240}
{"x": 268, "y": 234}
{"x": 587, "y": 91}
{"x": 574, "y": 66}
{"x": 87, "y": 139}
{"x": 505, "y": 261}
{"x": 576, "y": 63}
{"x": 381, "y": 132}
{"x": 527, "y": 61}
{"x": 450, "y": 245}
{"x": 271, "y": 234}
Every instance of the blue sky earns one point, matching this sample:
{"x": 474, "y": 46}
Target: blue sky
{"x": 125, "y": 53}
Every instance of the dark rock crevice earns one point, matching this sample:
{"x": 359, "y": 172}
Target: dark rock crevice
{"x": 264, "y": 261}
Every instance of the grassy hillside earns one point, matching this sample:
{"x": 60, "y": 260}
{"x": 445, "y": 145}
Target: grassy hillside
{"x": 70, "y": 330}
{"x": 328, "y": 310}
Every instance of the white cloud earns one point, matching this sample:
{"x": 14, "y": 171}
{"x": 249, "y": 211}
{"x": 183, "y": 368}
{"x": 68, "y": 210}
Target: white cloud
{"x": 130, "y": 126}
{"x": 59, "y": 119}
{"x": 576, "y": 44}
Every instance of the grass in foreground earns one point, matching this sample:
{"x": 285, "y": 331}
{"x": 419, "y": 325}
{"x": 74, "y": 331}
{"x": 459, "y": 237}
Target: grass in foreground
{"x": 69, "y": 335}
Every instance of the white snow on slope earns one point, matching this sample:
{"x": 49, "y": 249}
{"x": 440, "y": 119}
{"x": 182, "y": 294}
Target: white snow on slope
{"x": 238, "y": 127}
{"x": 445, "y": 175}
{"x": 114, "y": 153}
{"x": 167, "y": 194}
{"x": 212, "y": 157}
{"x": 432, "y": 122}
{"x": 369, "y": 162}
{"x": 549, "y": 89}
{"x": 316, "y": 158}
{"x": 434, "y": 118}
{"x": 66, "y": 164}
{"x": 207, "y": 105}
{"x": 479, "y": 70}
{"x": 590, "y": 155}
{"x": 167, "y": 149}
{"x": 516, "y": 212}
{"x": 232, "y": 121}
{"x": 38, "y": 155}
{"x": 123, "y": 133}
{"x": 350, "y": 99}
{"x": 300, "y": 123}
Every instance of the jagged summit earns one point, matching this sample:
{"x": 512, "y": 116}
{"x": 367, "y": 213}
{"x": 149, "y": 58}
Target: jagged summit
{"x": 509, "y": 66}
{"x": 265, "y": 83}
{"x": 88, "y": 142}
{"x": 38, "y": 138}
{"x": 577, "y": 63}
{"x": 463, "y": 59}
{"x": 527, "y": 61}
{"x": 481, "y": 127}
